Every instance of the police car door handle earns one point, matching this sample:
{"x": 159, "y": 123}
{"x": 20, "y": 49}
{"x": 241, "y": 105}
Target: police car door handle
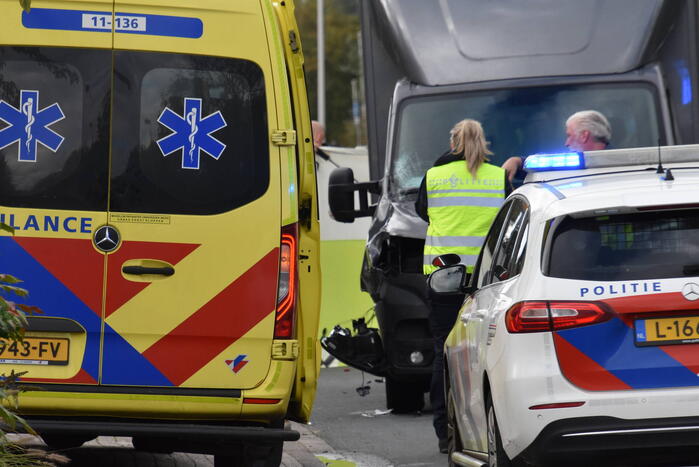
{"x": 141, "y": 270}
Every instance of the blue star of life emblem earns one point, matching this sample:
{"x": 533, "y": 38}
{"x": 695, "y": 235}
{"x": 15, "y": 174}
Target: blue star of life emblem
{"x": 191, "y": 133}
{"x": 29, "y": 126}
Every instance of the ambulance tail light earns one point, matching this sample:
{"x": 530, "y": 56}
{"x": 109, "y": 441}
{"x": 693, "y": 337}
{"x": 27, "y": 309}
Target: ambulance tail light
{"x": 554, "y": 316}
{"x": 288, "y": 282}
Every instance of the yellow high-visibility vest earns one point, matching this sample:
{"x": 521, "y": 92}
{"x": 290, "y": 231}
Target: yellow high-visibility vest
{"x": 461, "y": 209}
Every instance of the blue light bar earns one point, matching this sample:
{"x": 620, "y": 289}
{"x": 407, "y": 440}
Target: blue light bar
{"x": 546, "y": 162}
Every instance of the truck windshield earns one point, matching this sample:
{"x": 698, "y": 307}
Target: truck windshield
{"x": 519, "y": 121}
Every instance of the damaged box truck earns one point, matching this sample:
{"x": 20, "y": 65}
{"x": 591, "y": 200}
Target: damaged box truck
{"x": 520, "y": 68}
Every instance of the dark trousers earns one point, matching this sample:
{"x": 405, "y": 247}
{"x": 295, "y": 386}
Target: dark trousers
{"x": 443, "y": 312}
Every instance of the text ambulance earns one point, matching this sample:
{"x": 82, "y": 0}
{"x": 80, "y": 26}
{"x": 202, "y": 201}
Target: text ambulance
{"x": 157, "y": 167}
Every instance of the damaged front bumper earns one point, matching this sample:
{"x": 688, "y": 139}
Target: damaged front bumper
{"x": 363, "y": 350}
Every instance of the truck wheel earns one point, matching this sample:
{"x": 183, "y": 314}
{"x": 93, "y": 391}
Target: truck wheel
{"x": 496, "y": 454}
{"x": 267, "y": 455}
{"x": 453, "y": 435}
{"x": 403, "y": 397}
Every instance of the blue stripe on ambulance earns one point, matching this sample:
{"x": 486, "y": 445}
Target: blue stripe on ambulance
{"x": 125, "y": 365}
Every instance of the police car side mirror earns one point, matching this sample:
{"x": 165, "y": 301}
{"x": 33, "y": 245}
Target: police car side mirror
{"x": 341, "y": 188}
{"x": 449, "y": 280}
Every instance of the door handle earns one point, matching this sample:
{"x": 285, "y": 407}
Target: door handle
{"x": 141, "y": 270}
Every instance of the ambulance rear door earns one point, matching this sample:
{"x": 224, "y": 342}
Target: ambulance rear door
{"x": 194, "y": 197}
{"x": 55, "y": 78}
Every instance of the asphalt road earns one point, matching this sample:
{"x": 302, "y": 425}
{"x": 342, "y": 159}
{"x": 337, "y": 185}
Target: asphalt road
{"x": 351, "y": 424}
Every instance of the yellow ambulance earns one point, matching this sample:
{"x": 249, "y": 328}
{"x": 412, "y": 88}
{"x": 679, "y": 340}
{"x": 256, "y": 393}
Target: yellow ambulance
{"x": 156, "y": 164}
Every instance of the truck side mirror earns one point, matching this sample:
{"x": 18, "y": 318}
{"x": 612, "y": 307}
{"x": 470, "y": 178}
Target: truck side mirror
{"x": 449, "y": 280}
{"x": 341, "y": 188}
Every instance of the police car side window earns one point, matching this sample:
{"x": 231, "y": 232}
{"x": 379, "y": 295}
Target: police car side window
{"x": 485, "y": 261}
{"x": 54, "y": 128}
{"x": 190, "y": 134}
{"x": 518, "y": 258}
{"x": 503, "y": 264}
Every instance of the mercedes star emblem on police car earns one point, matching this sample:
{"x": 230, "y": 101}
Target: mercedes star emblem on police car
{"x": 690, "y": 291}
{"x": 107, "y": 238}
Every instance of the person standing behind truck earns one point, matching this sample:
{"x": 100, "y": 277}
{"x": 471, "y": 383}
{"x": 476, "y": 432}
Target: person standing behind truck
{"x": 587, "y": 130}
{"x": 459, "y": 197}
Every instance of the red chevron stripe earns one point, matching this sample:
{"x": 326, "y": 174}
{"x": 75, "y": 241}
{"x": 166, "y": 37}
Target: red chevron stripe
{"x": 223, "y": 320}
{"x": 582, "y": 371}
{"x": 651, "y": 303}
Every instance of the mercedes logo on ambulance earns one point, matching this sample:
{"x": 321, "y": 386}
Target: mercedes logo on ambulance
{"x": 106, "y": 238}
{"x": 690, "y": 291}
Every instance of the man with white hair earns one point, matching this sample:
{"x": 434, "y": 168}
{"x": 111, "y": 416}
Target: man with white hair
{"x": 587, "y": 130}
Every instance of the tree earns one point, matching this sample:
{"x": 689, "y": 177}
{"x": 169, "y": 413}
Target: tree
{"x": 341, "y": 63}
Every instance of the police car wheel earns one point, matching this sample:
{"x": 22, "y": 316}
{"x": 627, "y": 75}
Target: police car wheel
{"x": 404, "y": 397}
{"x": 496, "y": 454}
{"x": 453, "y": 435}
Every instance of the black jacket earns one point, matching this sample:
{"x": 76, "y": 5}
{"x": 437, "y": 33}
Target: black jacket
{"x": 421, "y": 202}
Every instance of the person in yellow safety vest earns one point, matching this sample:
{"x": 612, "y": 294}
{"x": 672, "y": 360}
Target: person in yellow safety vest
{"x": 459, "y": 198}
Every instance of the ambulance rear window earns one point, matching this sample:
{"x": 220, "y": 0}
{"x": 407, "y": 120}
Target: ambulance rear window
{"x": 54, "y": 127}
{"x": 190, "y": 133}
{"x": 648, "y": 245}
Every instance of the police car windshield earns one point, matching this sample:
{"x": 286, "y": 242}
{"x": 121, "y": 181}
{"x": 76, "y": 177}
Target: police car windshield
{"x": 648, "y": 245}
{"x": 517, "y": 122}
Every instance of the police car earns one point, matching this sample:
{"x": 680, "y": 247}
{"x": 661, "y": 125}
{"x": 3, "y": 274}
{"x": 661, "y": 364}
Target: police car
{"x": 578, "y": 343}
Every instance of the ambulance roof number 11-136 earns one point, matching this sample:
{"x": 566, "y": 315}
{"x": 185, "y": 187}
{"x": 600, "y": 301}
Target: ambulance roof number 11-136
{"x": 100, "y": 21}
